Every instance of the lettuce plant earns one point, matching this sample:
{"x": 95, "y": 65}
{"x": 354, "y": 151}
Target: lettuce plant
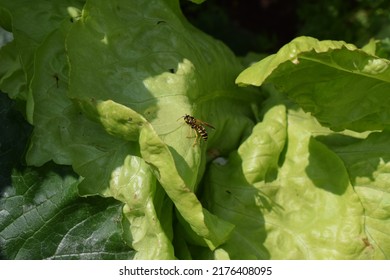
{"x": 295, "y": 169}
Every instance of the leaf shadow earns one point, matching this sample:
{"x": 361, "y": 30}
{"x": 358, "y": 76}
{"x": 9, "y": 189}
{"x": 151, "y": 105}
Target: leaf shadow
{"x": 228, "y": 195}
{"x": 325, "y": 168}
{"x": 362, "y": 157}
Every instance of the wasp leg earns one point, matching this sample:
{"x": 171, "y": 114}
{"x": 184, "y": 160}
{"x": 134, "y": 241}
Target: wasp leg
{"x": 191, "y": 131}
{"x": 196, "y": 139}
{"x": 189, "y": 134}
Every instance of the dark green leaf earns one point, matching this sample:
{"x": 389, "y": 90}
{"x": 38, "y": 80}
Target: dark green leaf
{"x": 42, "y": 217}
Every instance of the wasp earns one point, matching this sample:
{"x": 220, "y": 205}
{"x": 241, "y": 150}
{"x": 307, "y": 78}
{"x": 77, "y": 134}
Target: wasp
{"x": 198, "y": 126}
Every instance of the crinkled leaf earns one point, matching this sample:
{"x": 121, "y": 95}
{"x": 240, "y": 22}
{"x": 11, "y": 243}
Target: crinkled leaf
{"x": 42, "y": 217}
{"x": 231, "y": 192}
{"x": 269, "y": 139}
{"x": 134, "y": 184}
{"x": 342, "y": 86}
{"x": 62, "y": 133}
{"x": 158, "y": 156}
{"x": 29, "y": 32}
{"x": 159, "y": 82}
{"x": 96, "y": 133}
{"x": 305, "y": 208}
{"x": 66, "y": 136}
{"x": 213, "y": 230}
{"x": 259, "y": 72}
{"x": 110, "y": 85}
{"x": 163, "y": 80}
{"x": 367, "y": 162}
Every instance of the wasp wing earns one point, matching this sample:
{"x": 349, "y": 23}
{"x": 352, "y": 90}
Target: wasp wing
{"x": 206, "y": 124}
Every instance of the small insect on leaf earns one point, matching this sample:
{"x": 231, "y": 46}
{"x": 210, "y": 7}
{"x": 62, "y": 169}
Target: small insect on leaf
{"x": 198, "y": 126}
{"x": 57, "y": 79}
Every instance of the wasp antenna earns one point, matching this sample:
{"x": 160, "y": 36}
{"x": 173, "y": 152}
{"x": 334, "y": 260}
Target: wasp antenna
{"x": 186, "y": 115}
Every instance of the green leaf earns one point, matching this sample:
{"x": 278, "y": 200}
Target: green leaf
{"x": 231, "y": 192}
{"x": 44, "y": 218}
{"x": 11, "y": 72}
{"x": 5, "y": 19}
{"x": 343, "y": 87}
{"x": 146, "y": 208}
{"x": 291, "y": 52}
{"x": 302, "y": 207}
{"x": 29, "y": 32}
{"x": 107, "y": 84}
{"x": 367, "y": 162}
{"x": 100, "y": 128}
{"x": 197, "y": 1}
{"x": 269, "y": 139}
{"x": 158, "y": 156}
{"x": 62, "y": 133}
{"x": 158, "y": 83}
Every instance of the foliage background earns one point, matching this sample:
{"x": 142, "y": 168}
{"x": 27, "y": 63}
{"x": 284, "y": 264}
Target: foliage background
{"x": 263, "y": 26}
{"x": 250, "y": 29}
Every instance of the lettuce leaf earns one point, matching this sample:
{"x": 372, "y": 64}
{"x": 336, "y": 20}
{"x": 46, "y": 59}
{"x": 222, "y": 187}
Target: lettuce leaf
{"x": 342, "y": 86}
{"x": 154, "y": 82}
{"x": 299, "y": 205}
{"x": 291, "y": 171}
{"x": 367, "y": 162}
{"x": 124, "y": 112}
{"x": 43, "y": 217}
